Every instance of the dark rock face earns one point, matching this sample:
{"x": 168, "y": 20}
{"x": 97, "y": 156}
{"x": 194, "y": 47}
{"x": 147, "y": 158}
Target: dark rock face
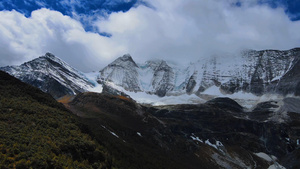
{"x": 257, "y": 83}
{"x": 51, "y": 75}
{"x": 191, "y": 85}
{"x": 290, "y": 82}
{"x": 224, "y": 120}
{"x": 225, "y": 103}
{"x": 163, "y": 78}
{"x": 217, "y": 134}
{"x": 232, "y": 86}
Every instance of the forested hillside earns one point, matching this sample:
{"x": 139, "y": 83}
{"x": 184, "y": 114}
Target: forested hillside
{"x": 38, "y": 132}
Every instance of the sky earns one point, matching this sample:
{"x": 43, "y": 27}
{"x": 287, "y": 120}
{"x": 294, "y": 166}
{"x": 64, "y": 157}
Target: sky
{"x": 90, "y": 34}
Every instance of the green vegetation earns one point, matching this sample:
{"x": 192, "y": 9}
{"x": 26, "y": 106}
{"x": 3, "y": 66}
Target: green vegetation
{"x": 38, "y": 132}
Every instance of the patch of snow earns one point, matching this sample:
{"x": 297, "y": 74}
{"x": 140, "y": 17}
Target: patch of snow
{"x": 219, "y": 144}
{"x": 97, "y": 89}
{"x": 196, "y": 139}
{"x": 265, "y": 156}
{"x": 216, "y": 146}
{"x": 92, "y": 77}
{"x": 210, "y": 144}
{"x": 276, "y": 166}
{"x": 113, "y": 85}
{"x": 114, "y": 134}
{"x": 142, "y": 97}
{"x": 276, "y": 78}
{"x": 213, "y": 90}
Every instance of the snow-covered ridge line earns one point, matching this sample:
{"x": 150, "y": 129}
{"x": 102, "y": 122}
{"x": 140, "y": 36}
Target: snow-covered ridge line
{"x": 246, "y": 76}
{"x": 51, "y": 75}
{"x": 256, "y": 72}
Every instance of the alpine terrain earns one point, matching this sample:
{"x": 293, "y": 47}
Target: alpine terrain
{"x": 109, "y": 129}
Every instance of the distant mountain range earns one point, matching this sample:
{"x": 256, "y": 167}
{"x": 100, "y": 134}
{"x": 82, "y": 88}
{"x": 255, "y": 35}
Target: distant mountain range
{"x": 256, "y": 72}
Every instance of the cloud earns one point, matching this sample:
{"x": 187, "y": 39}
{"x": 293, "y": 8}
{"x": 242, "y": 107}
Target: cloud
{"x": 181, "y": 30}
{"x": 188, "y": 30}
{"x": 23, "y": 39}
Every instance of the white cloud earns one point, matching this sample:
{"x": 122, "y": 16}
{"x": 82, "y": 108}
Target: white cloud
{"x": 189, "y": 29}
{"x": 181, "y": 30}
{"x": 23, "y": 39}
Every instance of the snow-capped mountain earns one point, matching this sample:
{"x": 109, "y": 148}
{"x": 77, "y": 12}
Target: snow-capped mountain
{"x": 51, "y": 75}
{"x": 253, "y": 72}
{"x": 122, "y": 72}
{"x": 257, "y": 72}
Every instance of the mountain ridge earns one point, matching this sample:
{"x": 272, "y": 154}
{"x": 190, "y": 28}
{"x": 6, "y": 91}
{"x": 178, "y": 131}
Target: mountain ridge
{"x": 251, "y": 72}
{"x": 51, "y": 75}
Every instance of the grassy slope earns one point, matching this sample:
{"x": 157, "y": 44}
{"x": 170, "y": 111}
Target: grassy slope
{"x": 38, "y": 132}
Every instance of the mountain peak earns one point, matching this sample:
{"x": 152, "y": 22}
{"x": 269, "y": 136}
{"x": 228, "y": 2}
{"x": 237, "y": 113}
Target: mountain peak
{"x": 51, "y": 75}
{"x": 127, "y": 57}
{"x": 54, "y": 58}
{"x": 50, "y": 55}
{"x": 123, "y": 72}
{"x": 124, "y": 61}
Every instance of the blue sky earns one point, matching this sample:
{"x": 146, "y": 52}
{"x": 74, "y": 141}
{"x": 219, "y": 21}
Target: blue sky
{"x": 90, "y": 34}
{"x": 84, "y": 11}
{"x": 95, "y": 8}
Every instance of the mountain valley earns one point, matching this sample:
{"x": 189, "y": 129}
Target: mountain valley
{"x": 110, "y": 110}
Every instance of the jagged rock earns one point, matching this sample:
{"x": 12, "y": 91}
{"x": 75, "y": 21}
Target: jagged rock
{"x": 163, "y": 79}
{"x": 191, "y": 85}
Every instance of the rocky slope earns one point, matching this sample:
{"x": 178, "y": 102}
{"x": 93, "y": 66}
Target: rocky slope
{"x": 51, "y": 75}
{"x": 257, "y": 72}
{"x": 217, "y": 134}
